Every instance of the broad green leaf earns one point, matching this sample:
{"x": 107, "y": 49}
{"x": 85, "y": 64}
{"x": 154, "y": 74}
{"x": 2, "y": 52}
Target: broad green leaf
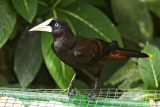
{"x": 154, "y": 6}
{"x": 133, "y": 19}
{"x": 149, "y": 68}
{"x": 26, "y": 8}
{"x": 109, "y": 68}
{"x": 28, "y": 58}
{"x": 60, "y": 72}
{"x": 126, "y": 75}
{"x": 91, "y": 22}
{"x": 7, "y": 21}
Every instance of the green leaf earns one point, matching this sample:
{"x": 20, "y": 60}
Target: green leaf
{"x": 149, "y": 67}
{"x": 154, "y": 6}
{"x": 60, "y": 72}
{"x": 28, "y": 58}
{"x": 126, "y": 75}
{"x": 7, "y": 22}
{"x": 133, "y": 18}
{"x": 109, "y": 68}
{"x": 91, "y": 22}
{"x": 26, "y": 8}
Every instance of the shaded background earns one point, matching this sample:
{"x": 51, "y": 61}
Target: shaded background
{"x": 26, "y": 58}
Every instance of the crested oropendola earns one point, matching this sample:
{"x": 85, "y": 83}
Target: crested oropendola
{"x": 81, "y": 52}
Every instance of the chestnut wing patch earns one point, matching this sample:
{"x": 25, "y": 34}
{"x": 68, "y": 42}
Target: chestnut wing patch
{"x": 89, "y": 51}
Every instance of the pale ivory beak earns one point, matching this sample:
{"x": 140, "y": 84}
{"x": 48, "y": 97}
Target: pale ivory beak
{"x": 43, "y": 26}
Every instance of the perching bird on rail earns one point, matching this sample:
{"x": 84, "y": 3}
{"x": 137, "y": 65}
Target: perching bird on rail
{"x": 81, "y": 52}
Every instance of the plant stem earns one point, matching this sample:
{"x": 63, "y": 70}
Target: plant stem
{"x": 54, "y": 8}
{"x": 43, "y": 3}
{"x": 55, "y": 4}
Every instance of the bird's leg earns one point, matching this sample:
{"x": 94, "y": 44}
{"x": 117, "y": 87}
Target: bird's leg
{"x": 93, "y": 91}
{"x": 71, "y": 87}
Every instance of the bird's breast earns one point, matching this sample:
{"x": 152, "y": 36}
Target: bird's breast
{"x": 63, "y": 54}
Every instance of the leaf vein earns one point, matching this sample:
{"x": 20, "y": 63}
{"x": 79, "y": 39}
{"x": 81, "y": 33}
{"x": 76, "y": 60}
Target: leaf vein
{"x": 26, "y": 5}
{"x": 154, "y": 73}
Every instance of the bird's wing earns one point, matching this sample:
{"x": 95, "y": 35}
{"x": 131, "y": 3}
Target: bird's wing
{"x": 89, "y": 51}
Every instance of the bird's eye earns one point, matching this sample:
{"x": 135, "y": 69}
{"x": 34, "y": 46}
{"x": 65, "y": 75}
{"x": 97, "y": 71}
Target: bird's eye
{"x": 56, "y": 24}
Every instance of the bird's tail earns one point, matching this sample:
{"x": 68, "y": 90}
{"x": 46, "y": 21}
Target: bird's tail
{"x": 118, "y": 53}
{"x": 133, "y": 53}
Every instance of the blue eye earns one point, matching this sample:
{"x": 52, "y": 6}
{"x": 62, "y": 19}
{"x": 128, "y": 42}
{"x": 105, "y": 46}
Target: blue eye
{"x": 56, "y": 24}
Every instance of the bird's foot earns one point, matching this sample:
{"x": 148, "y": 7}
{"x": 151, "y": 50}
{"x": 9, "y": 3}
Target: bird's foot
{"x": 69, "y": 89}
{"x": 91, "y": 94}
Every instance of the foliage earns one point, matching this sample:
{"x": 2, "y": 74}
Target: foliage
{"x": 7, "y": 22}
{"x": 26, "y": 61}
{"x": 27, "y": 58}
{"x": 127, "y": 75}
{"x": 149, "y": 68}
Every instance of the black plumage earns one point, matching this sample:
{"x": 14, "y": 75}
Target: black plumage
{"x": 83, "y": 53}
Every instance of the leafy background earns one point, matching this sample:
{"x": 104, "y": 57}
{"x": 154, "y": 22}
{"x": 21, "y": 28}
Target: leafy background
{"x": 26, "y": 58}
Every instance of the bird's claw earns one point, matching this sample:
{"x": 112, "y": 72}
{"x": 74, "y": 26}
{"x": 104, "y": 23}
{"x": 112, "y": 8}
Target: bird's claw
{"x": 69, "y": 89}
{"x": 91, "y": 94}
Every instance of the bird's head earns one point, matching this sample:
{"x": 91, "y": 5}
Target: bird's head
{"x": 55, "y": 26}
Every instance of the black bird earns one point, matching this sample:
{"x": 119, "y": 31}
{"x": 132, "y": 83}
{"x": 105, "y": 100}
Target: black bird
{"x": 81, "y": 52}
